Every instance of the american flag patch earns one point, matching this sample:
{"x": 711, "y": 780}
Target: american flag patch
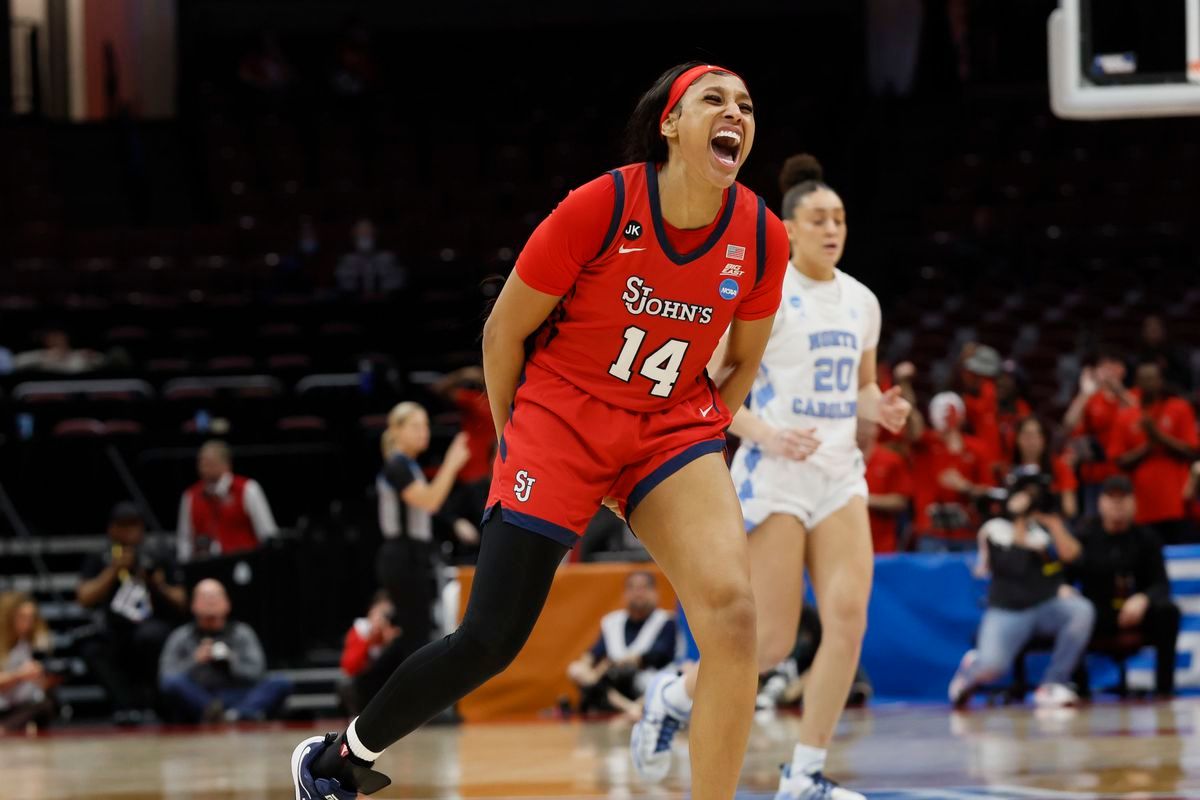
{"x": 734, "y": 252}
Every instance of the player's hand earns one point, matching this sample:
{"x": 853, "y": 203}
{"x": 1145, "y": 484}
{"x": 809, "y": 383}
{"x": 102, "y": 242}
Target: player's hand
{"x": 465, "y": 532}
{"x": 1133, "y": 611}
{"x": 457, "y": 454}
{"x": 125, "y": 558}
{"x": 1089, "y": 381}
{"x": 792, "y": 443}
{"x": 30, "y": 670}
{"x": 893, "y": 410}
{"x": 612, "y": 505}
{"x": 955, "y": 481}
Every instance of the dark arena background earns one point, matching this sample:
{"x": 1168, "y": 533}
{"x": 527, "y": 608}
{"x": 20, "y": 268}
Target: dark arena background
{"x": 236, "y": 234}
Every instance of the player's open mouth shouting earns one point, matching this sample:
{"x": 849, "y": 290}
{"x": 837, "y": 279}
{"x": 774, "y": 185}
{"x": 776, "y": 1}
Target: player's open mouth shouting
{"x": 727, "y": 145}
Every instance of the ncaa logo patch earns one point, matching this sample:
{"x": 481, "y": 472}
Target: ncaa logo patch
{"x": 728, "y": 289}
{"x": 633, "y": 230}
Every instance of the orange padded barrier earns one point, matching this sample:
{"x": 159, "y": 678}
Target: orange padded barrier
{"x": 569, "y": 625}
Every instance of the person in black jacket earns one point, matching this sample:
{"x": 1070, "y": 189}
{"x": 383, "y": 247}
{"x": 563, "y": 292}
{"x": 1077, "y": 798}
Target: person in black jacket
{"x": 1121, "y": 570}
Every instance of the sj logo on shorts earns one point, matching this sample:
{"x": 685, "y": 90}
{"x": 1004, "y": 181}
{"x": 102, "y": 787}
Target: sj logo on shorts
{"x": 523, "y": 485}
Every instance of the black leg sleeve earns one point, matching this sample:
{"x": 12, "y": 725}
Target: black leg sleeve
{"x": 512, "y": 578}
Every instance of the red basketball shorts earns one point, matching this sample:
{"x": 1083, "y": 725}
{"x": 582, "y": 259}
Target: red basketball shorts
{"x": 564, "y": 450}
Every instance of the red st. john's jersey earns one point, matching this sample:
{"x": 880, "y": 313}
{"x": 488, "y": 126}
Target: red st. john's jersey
{"x": 643, "y": 303}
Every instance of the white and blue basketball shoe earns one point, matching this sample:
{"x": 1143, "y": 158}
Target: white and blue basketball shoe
{"x": 650, "y": 741}
{"x": 803, "y": 786}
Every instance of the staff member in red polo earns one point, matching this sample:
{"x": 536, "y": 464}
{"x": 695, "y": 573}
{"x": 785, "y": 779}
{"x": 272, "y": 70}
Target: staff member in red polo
{"x": 222, "y": 513}
{"x": 1155, "y": 445}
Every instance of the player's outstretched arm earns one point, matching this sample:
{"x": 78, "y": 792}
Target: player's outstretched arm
{"x": 518, "y": 312}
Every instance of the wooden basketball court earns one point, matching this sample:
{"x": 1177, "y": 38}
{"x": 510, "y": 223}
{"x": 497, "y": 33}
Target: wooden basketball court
{"x": 1129, "y": 751}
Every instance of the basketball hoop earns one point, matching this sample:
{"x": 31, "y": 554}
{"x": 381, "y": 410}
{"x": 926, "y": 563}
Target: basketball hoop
{"x": 1115, "y": 89}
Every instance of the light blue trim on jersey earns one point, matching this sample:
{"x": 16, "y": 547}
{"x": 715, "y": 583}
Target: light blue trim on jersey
{"x": 763, "y": 395}
{"x": 753, "y": 456}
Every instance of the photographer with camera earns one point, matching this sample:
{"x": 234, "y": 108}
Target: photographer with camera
{"x": 141, "y": 595}
{"x": 370, "y": 653}
{"x": 213, "y": 669}
{"x": 1025, "y": 546}
{"x": 635, "y": 642}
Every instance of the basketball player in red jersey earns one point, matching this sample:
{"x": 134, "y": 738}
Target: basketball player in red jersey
{"x": 594, "y": 358}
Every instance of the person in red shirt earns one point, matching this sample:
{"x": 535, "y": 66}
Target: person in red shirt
{"x": 979, "y": 367}
{"x": 222, "y": 513}
{"x": 368, "y": 636}
{"x": 464, "y": 389}
{"x": 951, "y": 470}
{"x": 1191, "y": 498}
{"x": 594, "y": 356}
{"x": 1090, "y": 417}
{"x": 889, "y": 479}
{"x": 370, "y": 652}
{"x": 1011, "y": 407}
{"x": 1156, "y": 444}
{"x": 1031, "y": 449}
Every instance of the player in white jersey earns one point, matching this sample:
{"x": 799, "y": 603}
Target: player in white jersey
{"x": 800, "y": 477}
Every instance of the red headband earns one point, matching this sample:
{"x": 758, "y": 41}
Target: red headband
{"x": 685, "y": 80}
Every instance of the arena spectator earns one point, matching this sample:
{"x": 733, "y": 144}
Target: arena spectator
{"x": 1011, "y": 406}
{"x": 1156, "y": 443}
{"x": 214, "y": 669}
{"x": 1156, "y": 346}
{"x": 407, "y": 563}
{"x": 368, "y": 272}
{"x": 1025, "y": 550}
{"x": 1090, "y": 417}
{"x": 24, "y": 682}
{"x": 368, "y": 636}
{"x": 950, "y": 470}
{"x": 57, "y": 355}
{"x": 889, "y": 485}
{"x": 1191, "y": 497}
{"x": 265, "y": 67}
{"x": 222, "y": 513}
{"x": 635, "y": 642}
{"x": 304, "y": 267}
{"x": 371, "y": 652}
{"x": 354, "y": 70}
{"x": 465, "y": 390}
{"x": 978, "y": 367}
{"x": 140, "y": 594}
{"x": 1032, "y": 449}
{"x": 1123, "y": 573}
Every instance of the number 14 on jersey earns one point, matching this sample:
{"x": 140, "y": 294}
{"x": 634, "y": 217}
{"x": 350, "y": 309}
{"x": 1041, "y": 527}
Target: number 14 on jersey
{"x": 661, "y": 367}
